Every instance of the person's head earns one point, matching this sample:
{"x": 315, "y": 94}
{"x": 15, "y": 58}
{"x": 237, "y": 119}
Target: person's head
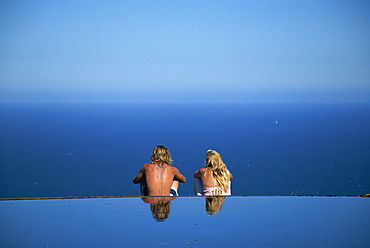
{"x": 214, "y": 204}
{"x": 219, "y": 170}
{"x": 160, "y": 210}
{"x": 160, "y": 156}
{"x": 214, "y": 160}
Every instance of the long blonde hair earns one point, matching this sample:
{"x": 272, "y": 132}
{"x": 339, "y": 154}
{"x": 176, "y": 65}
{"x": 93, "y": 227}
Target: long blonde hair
{"x": 219, "y": 170}
{"x": 161, "y": 156}
{"x": 214, "y": 204}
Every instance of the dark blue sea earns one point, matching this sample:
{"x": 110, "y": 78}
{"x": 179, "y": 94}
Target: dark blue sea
{"x": 57, "y": 150}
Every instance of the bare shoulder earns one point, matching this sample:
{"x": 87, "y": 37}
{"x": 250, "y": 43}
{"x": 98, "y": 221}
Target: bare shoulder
{"x": 146, "y": 166}
{"x": 200, "y": 172}
{"x": 173, "y": 168}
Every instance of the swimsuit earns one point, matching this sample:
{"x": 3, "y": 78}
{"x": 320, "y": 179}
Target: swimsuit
{"x": 199, "y": 189}
{"x": 215, "y": 191}
{"x": 173, "y": 192}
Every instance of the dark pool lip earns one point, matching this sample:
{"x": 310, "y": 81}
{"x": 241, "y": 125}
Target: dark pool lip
{"x": 102, "y": 197}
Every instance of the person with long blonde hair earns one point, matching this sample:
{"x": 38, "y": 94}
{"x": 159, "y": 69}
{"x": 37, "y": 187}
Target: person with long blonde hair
{"x": 159, "y": 177}
{"x": 215, "y": 177}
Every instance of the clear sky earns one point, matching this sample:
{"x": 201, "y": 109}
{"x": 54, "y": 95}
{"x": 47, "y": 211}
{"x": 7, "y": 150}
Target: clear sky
{"x": 220, "y": 51}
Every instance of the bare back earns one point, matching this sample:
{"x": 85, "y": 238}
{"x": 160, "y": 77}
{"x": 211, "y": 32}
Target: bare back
{"x": 159, "y": 179}
{"x": 207, "y": 178}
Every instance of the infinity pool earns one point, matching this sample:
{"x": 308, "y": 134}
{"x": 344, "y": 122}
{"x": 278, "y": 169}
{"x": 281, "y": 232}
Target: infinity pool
{"x": 235, "y": 221}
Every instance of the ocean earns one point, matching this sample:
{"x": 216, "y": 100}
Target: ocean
{"x": 70, "y": 149}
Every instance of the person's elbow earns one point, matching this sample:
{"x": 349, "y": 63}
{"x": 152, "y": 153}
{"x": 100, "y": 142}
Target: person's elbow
{"x": 135, "y": 180}
{"x": 183, "y": 179}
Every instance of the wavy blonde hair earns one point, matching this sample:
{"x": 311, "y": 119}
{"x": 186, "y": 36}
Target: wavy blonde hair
{"x": 219, "y": 170}
{"x": 160, "y": 210}
{"x": 214, "y": 204}
{"x": 161, "y": 156}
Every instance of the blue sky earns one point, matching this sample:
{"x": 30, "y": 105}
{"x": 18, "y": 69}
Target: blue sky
{"x": 185, "y": 51}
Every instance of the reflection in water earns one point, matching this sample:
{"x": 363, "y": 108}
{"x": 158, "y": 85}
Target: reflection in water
{"x": 160, "y": 206}
{"x": 214, "y": 204}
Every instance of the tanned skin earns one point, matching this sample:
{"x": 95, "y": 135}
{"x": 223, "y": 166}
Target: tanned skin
{"x": 206, "y": 175}
{"x": 159, "y": 179}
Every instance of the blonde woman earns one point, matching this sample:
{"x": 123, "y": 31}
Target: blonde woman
{"x": 215, "y": 178}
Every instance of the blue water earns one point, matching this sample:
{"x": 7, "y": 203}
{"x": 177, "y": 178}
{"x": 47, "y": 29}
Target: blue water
{"x": 246, "y": 222}
{"x": 49, "y": 150}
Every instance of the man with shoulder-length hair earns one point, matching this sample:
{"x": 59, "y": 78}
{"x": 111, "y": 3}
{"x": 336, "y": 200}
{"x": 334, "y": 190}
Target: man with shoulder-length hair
{"x": 159, "y": 177}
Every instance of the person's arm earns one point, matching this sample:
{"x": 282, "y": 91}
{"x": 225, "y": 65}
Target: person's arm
{"x": 180, "y": 177}
{"x": 139, "y": 176}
